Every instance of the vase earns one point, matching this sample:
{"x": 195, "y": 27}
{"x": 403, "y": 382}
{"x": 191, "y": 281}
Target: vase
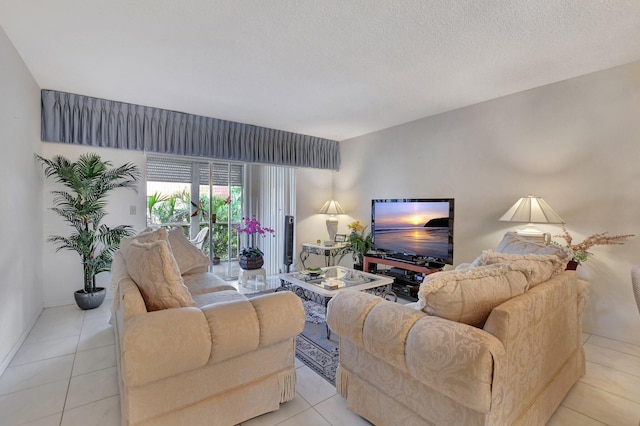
{"x": 251, "y": 262}
{"x": 86, "y": 301}
{"x": 572, "y": 265}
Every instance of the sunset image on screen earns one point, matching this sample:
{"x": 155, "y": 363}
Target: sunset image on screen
{"x": 408, "y": 215}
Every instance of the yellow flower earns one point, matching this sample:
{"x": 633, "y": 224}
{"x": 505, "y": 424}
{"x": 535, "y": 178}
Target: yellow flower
{"x": 356, "y": 226}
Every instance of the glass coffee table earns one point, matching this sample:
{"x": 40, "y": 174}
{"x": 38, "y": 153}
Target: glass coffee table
{"x": 320, "y": 286}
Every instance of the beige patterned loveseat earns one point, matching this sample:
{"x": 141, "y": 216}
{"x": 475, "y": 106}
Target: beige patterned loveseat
{"x": 495, "y": 343}
{"x": 191, "y": 350}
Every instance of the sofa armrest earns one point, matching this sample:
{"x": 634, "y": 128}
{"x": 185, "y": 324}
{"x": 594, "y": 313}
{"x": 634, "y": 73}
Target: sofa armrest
{"x": 163, "y": 343}
{"x": 281, "y": 316}
{"x": 456, "y": 359}
{"x": 241, "y": 326}
{"x": 540, "y": 331}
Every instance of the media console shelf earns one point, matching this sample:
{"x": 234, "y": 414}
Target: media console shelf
{"x": 397, "y": 264}
{"x": 405, "y": 286}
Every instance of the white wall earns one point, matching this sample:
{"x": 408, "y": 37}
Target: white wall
{"x": 21, "y": 214}
{"x": 574, "y": 143}
{"x": 313, "y": 188}
{"x": 63, "y": 270}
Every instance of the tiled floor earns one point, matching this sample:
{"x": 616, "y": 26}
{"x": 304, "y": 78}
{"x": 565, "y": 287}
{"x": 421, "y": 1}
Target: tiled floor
{"x": 65, "y": 374}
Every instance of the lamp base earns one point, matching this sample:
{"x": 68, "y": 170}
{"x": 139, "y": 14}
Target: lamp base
{"x": 532, "y": 234}
{"x": 332, "y": 227}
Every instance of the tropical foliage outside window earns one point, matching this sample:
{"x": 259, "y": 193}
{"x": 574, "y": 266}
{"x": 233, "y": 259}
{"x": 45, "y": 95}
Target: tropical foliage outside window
{"x": 170, "y": 204}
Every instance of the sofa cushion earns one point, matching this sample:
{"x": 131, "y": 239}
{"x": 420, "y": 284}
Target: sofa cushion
{"x": 217, "y": 297}
{"x": 190, "y": 259}
{"x": 469, "y": 295}
{"x": 536, "y": 267}
{"x": 205, "y": 283}
{"x": 155, "y": 271}
{"x": 513, "y": 244}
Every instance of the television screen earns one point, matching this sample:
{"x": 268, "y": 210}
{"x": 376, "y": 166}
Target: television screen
{"x": 414, "y": 227}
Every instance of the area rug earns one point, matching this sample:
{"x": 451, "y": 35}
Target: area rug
{"x": 317, "y": 352}
{"x": 315, "y": 312}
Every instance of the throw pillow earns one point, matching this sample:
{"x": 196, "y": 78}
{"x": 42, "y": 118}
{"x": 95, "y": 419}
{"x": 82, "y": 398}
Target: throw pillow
{"x": 538, "y": 268}
{"x": 513, "y": 244}
{"x": 155, "y": 271}
{"x": 147, "y": 236}
{"x": 190, "y": 259}
{"x": 469, "y": 295}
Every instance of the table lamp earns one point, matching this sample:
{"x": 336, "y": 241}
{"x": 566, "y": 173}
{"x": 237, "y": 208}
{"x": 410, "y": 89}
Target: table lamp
{"x": 532, "y": 210}
{"x": 332, "y": 208}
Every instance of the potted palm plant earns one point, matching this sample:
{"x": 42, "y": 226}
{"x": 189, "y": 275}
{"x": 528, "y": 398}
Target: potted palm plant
{"x": 88, "y": 181}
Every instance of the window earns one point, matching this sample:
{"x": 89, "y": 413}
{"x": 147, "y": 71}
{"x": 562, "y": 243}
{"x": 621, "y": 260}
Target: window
{"x": 196, "y": 194}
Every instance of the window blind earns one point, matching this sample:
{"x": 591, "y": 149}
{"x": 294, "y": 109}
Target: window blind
{"x": 174, "y": 169}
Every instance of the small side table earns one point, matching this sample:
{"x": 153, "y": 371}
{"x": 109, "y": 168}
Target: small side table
{"x": 245, "y": 274}
{"x": 329, "y": 252}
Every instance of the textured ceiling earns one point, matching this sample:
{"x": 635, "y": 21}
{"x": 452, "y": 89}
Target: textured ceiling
{"x": 328, "y": 68}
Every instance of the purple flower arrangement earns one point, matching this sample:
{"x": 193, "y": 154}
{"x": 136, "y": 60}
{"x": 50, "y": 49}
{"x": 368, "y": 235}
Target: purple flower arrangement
{"x": 252, "y": 226}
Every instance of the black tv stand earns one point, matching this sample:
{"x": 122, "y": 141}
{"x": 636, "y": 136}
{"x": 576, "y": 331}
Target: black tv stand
{"x": 406, "y": 258}
{"x": 404, "y": 282}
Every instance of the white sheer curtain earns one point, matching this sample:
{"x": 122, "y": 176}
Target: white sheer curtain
{"x": 273, "y": 190}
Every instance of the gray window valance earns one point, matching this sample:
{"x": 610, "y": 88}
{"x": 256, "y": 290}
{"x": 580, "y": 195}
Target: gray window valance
{"x": 83, "y": 120}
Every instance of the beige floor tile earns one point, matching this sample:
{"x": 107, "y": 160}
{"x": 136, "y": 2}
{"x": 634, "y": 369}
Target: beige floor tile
{"x": 567, "y": 417}
{"x": 602, "y": 406}
{"x": 617, "y": 345}
{"x": 104, "y": 309}
{"x": 65, "y": 309}
{"x": 38, "y": 351}
{"x": 53, "y": 420}
{"x": 105, "y": 412}
{"x": 612, "y": 358}
{"x": 617, "y": 382}
{"x": 97, "y": 319}
{"x": 92, "y": 387}
{"x": 50, "y": 327}
{"x": 94, "y": 359}
{"x": 96, "y": 336}
{"x": 33, "y": 403}
{"x": 287, "y": 410}
{"x": 308, "y": 417}
{"x": 37, "y": 373}
{"x": 312, "y": 387}
{"x": 336, "y": 412}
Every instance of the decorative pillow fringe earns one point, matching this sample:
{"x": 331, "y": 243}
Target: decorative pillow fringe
{"x": 287, "y": 385}
{"x": 342, "y": 381}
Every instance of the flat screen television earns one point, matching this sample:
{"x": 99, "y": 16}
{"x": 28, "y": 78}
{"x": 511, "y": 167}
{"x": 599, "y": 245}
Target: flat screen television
{"x": 414, "y": 227}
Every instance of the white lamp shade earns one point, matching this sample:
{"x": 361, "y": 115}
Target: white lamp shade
{"x": 531, "y": 210}
{"x": 331, "y": 207}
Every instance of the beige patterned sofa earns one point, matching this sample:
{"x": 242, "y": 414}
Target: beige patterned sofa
{"x": 191, "y": 350}
{"x": 497, "y": 342}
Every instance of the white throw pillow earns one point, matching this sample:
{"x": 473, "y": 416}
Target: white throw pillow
{"x": 538, "y": 268}
{"x": 469, "y": 295}
{"x": 513, "y": 244}
{"x": 155, "y": 271}
{"x": 149, "y": 235}
{"x": 190, "y": 259}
